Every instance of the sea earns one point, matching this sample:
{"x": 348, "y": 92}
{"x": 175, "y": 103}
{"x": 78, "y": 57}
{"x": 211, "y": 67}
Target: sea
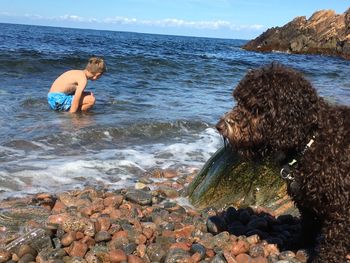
{"x": 156, "y": 107}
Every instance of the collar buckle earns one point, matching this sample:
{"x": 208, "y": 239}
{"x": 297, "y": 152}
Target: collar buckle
{"x": 285, "y": 173}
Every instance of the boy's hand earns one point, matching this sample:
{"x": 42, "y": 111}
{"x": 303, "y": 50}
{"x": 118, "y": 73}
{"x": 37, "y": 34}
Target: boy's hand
{"x": 88, "y": 93}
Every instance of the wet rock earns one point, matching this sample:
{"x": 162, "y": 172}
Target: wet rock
{"x": 177, "y": 255}
{"x": 118, "y": 243}
{"x": 4, "y": 255}
{"x": 243, "y": 258}
{"x": 275, "y": 240}
{"x": 102, "y": 236}
{"x": 208, "y": 212}
{"x": 135, "y": 259}
{"x": 58, "y": 208}
{"x": 89, "y": 241}
{"x": 168, "y": 173}
{"x": 74, "y": 224}
{"x": 75, "y": 260}
{"x": 155, "y": 252}
{"x": 200, "y": 249}
{"x": 207, "y": 241}
{"x": 240, "y": 247}
{"x": 77, "y": 249}
{"x": 184, "y": 232}
{"x": 261, "y": 234}
{"x": 271, "y": 249}
{"x": 50, "y": 254}
{"x": 68, "y": 238}
{"x": 168, "y": 192}
{"x": 221, "y": 240}
{"x": 113, "y": 201}
{"x": 26, "y": 258}
{"x": 38, "y": 238}
{"x": 285, "y": 255}
{"x": 18, "y": 213}
{"x": 117, "y": 255}
{"x": 91, "y": 257}
{"x": 130, "y": 248}
{"x": 253, "y": 239}
{"x": 256, "y": 251}
{"x": 169, "y": 226}
{"x": 145, "y": 180}
{"x": 186, "y": 246}
{"x": 216, "y": 224}
{"x": 260, "y": 259}
{"x": 227, "y": 179}
{"x": 302, "y": 256}
{"x": 101, "y": 252}
{"x": 229, "y": 257}
{"x": 219, "y": 258}
{"x": 139, "y": 197}
{"x": 103, "y": 223}
{"x": 141, "y": 186}
{"x": 273, "y": 258}
{"x": 26, "y": 249}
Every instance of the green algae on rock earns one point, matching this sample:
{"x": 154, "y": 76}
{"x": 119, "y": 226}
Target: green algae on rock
{"x": 226, "y": 179}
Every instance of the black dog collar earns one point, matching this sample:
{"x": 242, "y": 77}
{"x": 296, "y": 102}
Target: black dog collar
{"x": 285, "y": 172}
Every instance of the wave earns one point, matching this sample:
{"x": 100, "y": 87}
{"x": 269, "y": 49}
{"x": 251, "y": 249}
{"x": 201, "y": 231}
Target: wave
{"x": 82, "y": 137}
{"x": 137, "y": 133}
{"x": 114, "y": 167}
{"x": 30, "y": 61}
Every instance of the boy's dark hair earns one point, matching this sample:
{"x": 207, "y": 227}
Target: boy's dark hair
{"x": 96, "y": 65}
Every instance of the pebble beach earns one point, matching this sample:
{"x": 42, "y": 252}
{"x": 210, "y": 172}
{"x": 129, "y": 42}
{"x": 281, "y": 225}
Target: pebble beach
{"x": 148, "y": 222}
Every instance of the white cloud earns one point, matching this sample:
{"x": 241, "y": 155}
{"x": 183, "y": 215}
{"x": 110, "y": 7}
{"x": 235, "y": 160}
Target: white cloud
{"x": 73, "y": 18}
{"x": 168, "y": 22}
{"x": 173, "y": 22}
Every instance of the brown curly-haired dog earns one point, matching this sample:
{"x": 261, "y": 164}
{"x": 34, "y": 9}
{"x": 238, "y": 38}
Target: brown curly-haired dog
{"x": 278, "y": 113}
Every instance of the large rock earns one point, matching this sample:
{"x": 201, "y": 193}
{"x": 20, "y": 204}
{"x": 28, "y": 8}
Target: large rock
{"x": 19, "y": 219}
{"x": 325, "y": 32}
{"x": 226, "y": 180}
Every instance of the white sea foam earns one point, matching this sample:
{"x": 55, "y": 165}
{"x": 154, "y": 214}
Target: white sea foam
{"x": 114, "y": 168}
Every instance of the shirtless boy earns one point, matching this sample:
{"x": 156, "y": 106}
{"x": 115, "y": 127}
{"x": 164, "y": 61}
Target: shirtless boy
{"x": 67, "y": 91}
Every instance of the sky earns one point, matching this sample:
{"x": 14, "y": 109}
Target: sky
{"x": 234, "y": 19}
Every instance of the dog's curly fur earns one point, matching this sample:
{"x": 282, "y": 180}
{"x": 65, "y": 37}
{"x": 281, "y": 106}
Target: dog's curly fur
{"x": 277, "y": 113}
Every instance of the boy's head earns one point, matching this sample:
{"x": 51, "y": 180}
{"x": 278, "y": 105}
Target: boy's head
{"x": 96, "y": 66}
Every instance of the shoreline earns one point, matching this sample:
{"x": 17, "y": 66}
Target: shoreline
{"x": 143, "y": 223}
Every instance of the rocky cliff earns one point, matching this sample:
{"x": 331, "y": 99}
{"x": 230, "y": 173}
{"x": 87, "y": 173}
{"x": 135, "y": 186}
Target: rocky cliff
{"x": 325, "y": 32}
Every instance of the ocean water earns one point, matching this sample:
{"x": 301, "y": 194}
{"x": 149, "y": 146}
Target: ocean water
{"x": 156, "y": 107}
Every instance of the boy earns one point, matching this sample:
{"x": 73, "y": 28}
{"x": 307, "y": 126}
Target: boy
{"x": 67, "y": 91}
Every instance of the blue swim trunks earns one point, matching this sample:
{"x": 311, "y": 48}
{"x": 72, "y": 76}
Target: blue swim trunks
{"x": 59, "y": 101}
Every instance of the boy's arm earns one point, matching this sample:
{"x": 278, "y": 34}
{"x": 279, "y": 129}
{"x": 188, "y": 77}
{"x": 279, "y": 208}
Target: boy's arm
{"x": 78, "y": 95}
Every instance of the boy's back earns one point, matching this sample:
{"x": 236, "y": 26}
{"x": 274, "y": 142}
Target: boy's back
{"x": 67, "y": 82}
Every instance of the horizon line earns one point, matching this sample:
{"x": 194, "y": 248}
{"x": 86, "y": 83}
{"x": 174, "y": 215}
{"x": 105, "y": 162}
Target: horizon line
{"x": 123, "y": 31}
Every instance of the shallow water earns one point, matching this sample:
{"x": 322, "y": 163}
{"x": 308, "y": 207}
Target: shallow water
{"x": 156, "y": 106}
